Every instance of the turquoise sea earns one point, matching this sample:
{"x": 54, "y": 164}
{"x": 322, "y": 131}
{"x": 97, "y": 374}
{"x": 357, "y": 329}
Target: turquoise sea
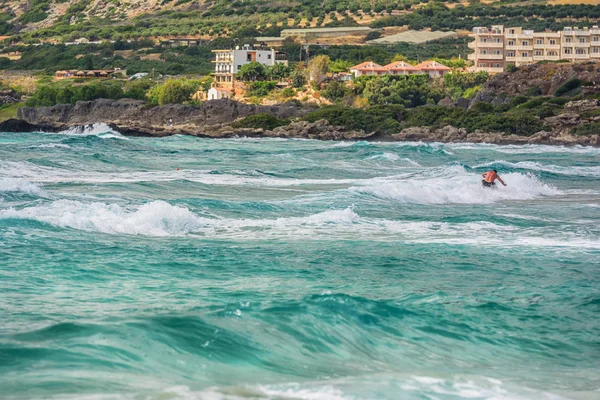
{"x": 186, "y": 268}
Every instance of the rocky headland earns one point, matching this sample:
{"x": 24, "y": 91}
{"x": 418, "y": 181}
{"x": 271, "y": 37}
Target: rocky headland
{"x": 220, "y": 118}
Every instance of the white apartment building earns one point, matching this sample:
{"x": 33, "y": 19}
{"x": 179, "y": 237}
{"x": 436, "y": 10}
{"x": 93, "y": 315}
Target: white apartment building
{"x": 229, "y": 62}
{"x": 496, "y": 47}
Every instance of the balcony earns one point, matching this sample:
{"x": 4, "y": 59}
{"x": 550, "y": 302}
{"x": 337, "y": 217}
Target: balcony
{"x": 578, "y": 32}
{"x": 491, "y": 56}
{"x": 519, "y": 36}
{"x": 547, "y": 35}
{"x": 539, "y": 58}
{"x": 479, "y": 44}
{"x": 581, "y": 56}
{"x": 552, "y": 58}
{"x": 595, "y": 55}
{"x": 491, "y": 70}
{"x": 487, "y": 32}
{"x": 580, "y": 45}
{"x": 519, "y": 59}
{"x": 517, "y": 47}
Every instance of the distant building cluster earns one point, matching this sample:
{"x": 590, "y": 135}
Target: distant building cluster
{"x": 432, "y": 68}
{"x": 496, "y": 47}
{"x": 83, "y": 74}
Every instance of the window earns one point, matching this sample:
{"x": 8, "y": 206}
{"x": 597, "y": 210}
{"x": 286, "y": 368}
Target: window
{"x": 595, "y": 38}
{"x": 483, "y": 40}
{"x": 552, "y": 41}
{"x": 524, "y": 54}
{"x": 581, "y": 40}
{"x": 580, "y": 51}
{"x": 525, "y": 43}
{"x": 248, "y": 57}
{"x": 538, "y": 53}
{"x": 596, "y": 50}
{"x": 511, "y": 31}
{"x": 539, "y": 41}
{"x": 483, "y": 51}
{"x": 511, "y": 42}
{"x": 568, "y": 40}
{"x": 268, "y": 56}
{"x": 239, "y": 66}
{"x": 496, "y": 65}
{"x": 510, "y": 54}
{"x": 498, "y": 52}
{"x": 552, "y": 53}
{"x": 567, "y": 51}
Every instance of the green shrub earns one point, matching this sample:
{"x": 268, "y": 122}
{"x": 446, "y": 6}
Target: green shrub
{"x": 568, "y": 87}
{"x": 534, "y": 91}
{"x": 378, "y": 119}
{"x": 545, "y": 111}
{"x": 558, "y": 101}
{"x": 261, "y": 89}
{"x": 260, "y": 121}
{"x": 592, "y": 128}
{"x": 534, "y": 103}
{"x": 511, "y": 68}
{"x": 517, "y": 100}
{"x": 288, "y": 92}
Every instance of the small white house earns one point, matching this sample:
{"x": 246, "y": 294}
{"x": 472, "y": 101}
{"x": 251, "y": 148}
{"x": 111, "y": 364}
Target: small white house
{"x": 217, "y": 93}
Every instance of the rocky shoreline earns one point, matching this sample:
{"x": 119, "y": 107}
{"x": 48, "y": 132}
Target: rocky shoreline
{"x": 214, "y": 119}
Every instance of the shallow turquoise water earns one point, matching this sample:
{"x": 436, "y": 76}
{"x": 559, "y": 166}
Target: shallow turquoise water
{"x": 291, "y": 269}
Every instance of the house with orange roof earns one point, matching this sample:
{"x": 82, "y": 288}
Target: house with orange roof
{"x": 401, "y": 68}
{"x": 433, "y": 68}
{"x": 367, "y": 68}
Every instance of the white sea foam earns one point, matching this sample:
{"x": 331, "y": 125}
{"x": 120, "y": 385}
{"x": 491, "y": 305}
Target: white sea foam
{"x": 36, "y": 173}
{"x": 53, "y": 146}
{"x": 351, "y": 388}
{"x": 21, "y": 185}
{"x": 455, "y": 185}
{"x": 100, "y": 129}
{"x": 554, "y": 169}
{"x": 385, "y": 156}
{"x": 159, "y": 218}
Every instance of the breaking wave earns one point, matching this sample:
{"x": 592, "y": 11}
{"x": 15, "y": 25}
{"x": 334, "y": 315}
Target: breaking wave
{"x": 100, "y": 130}
{"x": 21, "y": 185}
{"x": 455, "y": 185}
{"x": 552, "y": 169}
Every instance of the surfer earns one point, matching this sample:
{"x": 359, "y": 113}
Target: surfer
{"x": 489, "y": 178}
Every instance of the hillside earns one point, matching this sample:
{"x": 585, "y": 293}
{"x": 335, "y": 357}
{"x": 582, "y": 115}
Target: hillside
{"x": 61, "y": 20}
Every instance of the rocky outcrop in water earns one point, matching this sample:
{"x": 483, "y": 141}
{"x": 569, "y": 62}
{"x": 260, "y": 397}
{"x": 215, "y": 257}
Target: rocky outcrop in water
{"x": 214, "y": 119}
{"x": 131, "y": 116}
{"x": 452, "y": 134}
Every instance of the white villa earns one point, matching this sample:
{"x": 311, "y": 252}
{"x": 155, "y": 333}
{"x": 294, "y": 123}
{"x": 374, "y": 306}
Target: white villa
{"x": 229, "y": 62}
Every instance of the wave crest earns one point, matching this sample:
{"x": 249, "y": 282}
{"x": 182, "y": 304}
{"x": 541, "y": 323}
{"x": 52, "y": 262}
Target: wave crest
{"x": 21, "y": 185}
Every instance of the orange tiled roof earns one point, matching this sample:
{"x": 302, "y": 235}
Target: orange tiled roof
{"x": 400, "y": 66}
{"x": 432, "y": 66}
{"x": 368, "y": 66}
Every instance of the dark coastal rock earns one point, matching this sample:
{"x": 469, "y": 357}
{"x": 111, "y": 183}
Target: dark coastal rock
{"x": 135, "y": 115}
{"x": 317, "y": 130}
{"x": 9, "y": 97}
{"x": 18, "y": 125}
